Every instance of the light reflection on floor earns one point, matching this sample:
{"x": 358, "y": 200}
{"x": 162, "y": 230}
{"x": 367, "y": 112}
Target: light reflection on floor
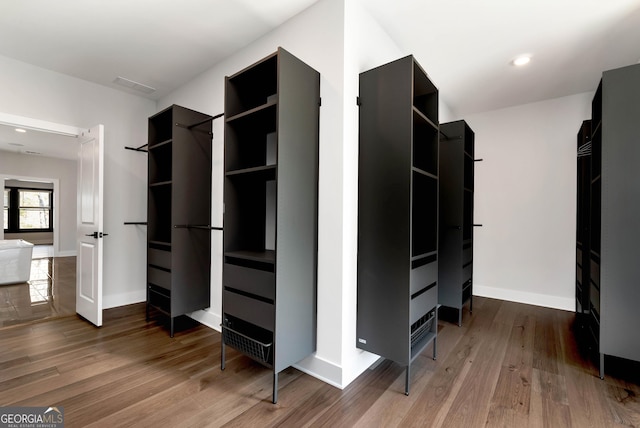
{"x": 50, "y": 291}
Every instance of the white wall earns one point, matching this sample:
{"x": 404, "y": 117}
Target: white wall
{"x": 525, "y": 193}
{"x": 316, "y": 37}
{"x": 339, "y": 39}
{"x": 37, "y": 93}
{"x": 64, "y": 204}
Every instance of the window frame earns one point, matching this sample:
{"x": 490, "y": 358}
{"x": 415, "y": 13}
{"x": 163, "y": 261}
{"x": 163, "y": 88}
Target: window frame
{"x": 14, "y": 210}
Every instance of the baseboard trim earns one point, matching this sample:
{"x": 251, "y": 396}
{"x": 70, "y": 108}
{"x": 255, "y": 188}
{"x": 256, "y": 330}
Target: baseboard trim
{"x": 123, "y": 299}
{"x": 545, "y": 300}
{"x": 68, "y": 253}
{"x": 321, "y": 369}
{"x": 207, "y": 318}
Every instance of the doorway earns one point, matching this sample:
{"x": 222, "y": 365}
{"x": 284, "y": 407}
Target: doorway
{"x": 45, "y": 152}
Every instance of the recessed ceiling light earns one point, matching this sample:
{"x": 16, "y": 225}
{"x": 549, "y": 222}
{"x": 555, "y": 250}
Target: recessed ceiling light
{"x": 21, "y": 130}
{"x": 521, "y": 60}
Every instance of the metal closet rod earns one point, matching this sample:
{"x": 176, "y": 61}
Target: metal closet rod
{"x": 139, "y": 223}
{"x": 138, "y": 149}
{"x": 201, "y": 122}
{"x": 196, "y": 226}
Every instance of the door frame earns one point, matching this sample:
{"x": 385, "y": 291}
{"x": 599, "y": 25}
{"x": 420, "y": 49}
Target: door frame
{"x": 42, "y": 126}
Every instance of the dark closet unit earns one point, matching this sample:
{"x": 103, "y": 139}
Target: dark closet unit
{"x": 271, "y": 211}
{"x": 179, "y": 212}
{"x": 614, "y": 212}
{"x": 397, "y": 212}
{"x": 455, "y": 250}
{"x": 583, "y": 201}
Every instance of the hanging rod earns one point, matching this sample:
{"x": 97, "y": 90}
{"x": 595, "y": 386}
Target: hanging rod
{"x": 193, "y": 125}
{"x": 138, "y": 149}
{"x": 196, "y": 226}
{"x": 139, "y": 223}
{"x": 478, "y": 160}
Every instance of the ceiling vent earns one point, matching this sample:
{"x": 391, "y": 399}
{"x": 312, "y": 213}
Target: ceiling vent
{"x": 134, "y": 85}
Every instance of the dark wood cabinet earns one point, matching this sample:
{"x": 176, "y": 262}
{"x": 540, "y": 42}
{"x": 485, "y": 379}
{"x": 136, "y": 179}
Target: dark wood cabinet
{"x": 397, "y": 299}
{"x": 455, "y": 250}
{"x": 614, "y": 209}
{"x": 271, "y": 211}
{"x": 179, "y": 212}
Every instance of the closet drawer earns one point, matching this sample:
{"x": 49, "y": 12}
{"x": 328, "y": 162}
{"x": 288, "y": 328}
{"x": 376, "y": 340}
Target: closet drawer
{"x": 422, "y": 276}
{"x": 159, "y": 277}
{"x": 467, "y": 255}
{"x": 159, "y": 258}
{"x": 254, "y": 281}
{"x": 467, "y": 271}
{"x": 423, "y": 303}
{"x": 251, "y": 310}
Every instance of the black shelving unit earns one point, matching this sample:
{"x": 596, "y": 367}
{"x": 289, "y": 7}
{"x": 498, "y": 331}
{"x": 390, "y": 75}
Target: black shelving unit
{"x": 583, "y": 201}
{"x": 614, "y": 232}
{"x": 271, "y": 211}
{"x": 455, "y": 251}
{"x": 179, "y": 212}
{"x": 398, "y": 212}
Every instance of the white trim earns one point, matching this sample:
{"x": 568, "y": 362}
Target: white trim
{"x": 555, "y": 302}
{"x": 322, "y": 369}
{"x": 38, "y": 125}
{"x": 69, "y": 253}
{"x": 207, "y": 318}
{"x": 123, "y": 299}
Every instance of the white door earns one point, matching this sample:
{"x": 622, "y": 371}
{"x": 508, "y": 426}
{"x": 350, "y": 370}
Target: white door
{"x": 90, "y": 233}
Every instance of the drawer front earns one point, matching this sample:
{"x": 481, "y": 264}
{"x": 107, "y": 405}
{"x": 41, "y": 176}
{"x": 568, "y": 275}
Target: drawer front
{"x": 423, "y": 303}
{"x": 251, "y": 310}
{"x": 159, "y": 277}
{"x": 159, "y": 258}
{"x": 249, "y": 280}
{"x": 467, "y": 255}
{"x": 423, "y": 276}
{"x": 467, "y": 271}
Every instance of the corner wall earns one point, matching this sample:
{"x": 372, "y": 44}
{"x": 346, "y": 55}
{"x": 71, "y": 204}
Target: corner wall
{"x": 525, "y": 193}
{"x": 315, "y": 36}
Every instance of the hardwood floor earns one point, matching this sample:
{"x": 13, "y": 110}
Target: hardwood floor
{"x": 49, "y": 293}
{"x": 509, "y": 365}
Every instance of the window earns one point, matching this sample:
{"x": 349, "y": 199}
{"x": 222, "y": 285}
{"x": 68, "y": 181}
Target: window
{"x": 6, "y": 209}
{"x": 27, "y": 210}
{"x": 35, "y": 209}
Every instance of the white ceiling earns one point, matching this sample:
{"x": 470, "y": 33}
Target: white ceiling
{"x": 38, "y": 143}
{"x": 464, "y": 45}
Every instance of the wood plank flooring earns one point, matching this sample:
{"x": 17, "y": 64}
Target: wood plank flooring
{"x": 50, "y": 292}
{"x": 509, "y": 365}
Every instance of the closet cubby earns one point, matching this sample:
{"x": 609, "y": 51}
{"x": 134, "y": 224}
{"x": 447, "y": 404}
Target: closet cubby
{"x": 270, "y": 218}
{"x": 397, "y": 298}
